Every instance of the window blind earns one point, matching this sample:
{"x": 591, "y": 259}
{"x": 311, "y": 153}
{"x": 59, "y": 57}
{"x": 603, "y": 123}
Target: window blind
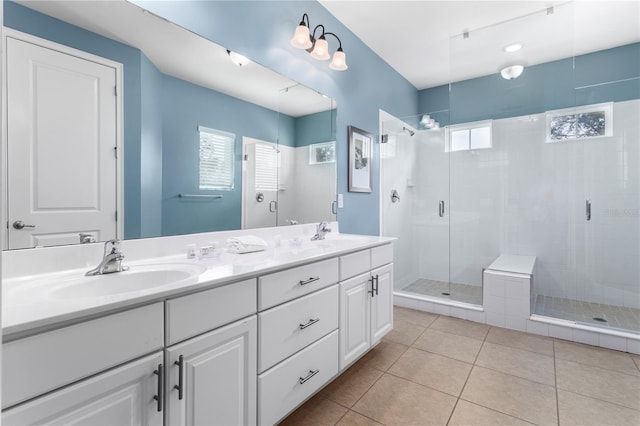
{"x": 216, "y": 158}
{"x": 267, "y": 162}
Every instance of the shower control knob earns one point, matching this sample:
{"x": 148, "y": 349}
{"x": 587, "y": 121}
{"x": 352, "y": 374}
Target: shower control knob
{"x": 18, "y": 224}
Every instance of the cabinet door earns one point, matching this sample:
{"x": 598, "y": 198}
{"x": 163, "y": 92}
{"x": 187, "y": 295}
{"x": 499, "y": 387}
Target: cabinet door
{"x": 122, "y": 396}
{"x": 218, "y": 373}
{"x": 355, "y": 295}
{"x": 382, "y": 303}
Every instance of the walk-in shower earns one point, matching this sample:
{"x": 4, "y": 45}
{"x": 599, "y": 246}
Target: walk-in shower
{"x": 547, "y": 165}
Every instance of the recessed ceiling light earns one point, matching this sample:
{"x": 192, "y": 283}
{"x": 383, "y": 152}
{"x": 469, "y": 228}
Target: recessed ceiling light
{"x": 512, "y": 47}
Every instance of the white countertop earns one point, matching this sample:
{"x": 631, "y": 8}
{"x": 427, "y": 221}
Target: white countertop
{"x": 29, "y": 307}
{"x": 514, "y": 263}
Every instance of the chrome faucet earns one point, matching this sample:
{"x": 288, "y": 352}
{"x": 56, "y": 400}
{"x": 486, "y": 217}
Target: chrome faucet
{"x": 111, "y": 260}
{"x": 321, "y": 230}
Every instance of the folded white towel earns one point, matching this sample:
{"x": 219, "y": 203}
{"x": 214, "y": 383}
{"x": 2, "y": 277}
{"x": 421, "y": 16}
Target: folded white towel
{"x": 246, "y": 244}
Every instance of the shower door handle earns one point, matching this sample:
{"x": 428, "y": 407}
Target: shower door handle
{"x": 588, "y": 209}
{"x": 441, "y": 208}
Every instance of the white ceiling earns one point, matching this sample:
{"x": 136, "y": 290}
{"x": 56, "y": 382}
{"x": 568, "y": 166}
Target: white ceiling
{"x": 422, "y": 40}
{"x": 182, "y": 54}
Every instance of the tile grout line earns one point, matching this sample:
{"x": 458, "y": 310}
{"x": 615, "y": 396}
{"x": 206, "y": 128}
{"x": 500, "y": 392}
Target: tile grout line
{"x": 480, "y": 366}
{"x": 555, "y": 380}
{"x": 469, "y": 375}
{"x": 598, "y": 366}
{"x": 372, "y": 384}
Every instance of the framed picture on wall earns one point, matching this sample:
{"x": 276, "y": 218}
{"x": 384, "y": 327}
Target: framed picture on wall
{"x": 360, "y": 158}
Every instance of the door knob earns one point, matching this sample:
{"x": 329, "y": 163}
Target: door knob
{"x": 18, "y": 224}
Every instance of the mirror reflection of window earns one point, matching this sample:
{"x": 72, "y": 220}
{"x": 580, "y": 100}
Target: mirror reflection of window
{"x": 216, "y": 159}
{"x": 267, "y": 163}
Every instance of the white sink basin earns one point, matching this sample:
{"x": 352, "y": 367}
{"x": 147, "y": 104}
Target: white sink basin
{"x": 138, "y": 278}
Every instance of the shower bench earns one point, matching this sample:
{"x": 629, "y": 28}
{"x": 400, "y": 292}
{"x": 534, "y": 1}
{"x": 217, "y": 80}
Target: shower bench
{"x": 508, "y": 291}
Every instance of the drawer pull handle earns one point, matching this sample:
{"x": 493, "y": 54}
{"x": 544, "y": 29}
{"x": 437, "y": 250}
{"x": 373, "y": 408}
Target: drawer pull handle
{"x": 310, "y": 323}
{"x": 180, "y": 385}
{"x": 310, "y": 375}
{"x": 160, "y": 373}
{"x": 309, "y": 281}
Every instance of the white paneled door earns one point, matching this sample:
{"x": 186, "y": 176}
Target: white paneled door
{"x": 62, "y": 138}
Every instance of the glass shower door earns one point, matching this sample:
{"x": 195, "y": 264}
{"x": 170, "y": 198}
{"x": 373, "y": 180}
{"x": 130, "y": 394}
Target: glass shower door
{"x": 611, "y": 239}
{"x": 415, "y": 167}
{"x": 432, "y": 213}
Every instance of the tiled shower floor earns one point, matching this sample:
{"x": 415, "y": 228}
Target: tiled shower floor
{"x": 618, "y": 317}
{"x": 471, "y": 294}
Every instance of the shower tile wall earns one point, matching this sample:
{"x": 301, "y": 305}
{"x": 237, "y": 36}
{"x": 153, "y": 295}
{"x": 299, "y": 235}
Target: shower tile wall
{"x": 546, "y": 186}
{"x": 525, "y": 196}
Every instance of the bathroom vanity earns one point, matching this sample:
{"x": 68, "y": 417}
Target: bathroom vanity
{"x": 240, "y": 339}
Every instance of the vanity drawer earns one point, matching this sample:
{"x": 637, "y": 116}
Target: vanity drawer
{"x": 281, "y": 332}
{"x": 381, "y": 255}
{"x": 280, "y": 390}
{"x": 355, "y": 264}
{"x": 44, "y": 362}
{"x": 283, "y": 286}
{"x": 197, "y": 313}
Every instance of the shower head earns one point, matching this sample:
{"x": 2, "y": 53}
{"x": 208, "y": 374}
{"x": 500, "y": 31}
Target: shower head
{"x": 411, "y": 132}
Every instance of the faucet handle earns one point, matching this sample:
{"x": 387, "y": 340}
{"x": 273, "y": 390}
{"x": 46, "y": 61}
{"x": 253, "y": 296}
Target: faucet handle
{"x": 111, "y": 246}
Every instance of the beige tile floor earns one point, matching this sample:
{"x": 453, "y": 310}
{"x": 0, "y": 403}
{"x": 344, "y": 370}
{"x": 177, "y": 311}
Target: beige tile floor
{"x": 437, "y": 370}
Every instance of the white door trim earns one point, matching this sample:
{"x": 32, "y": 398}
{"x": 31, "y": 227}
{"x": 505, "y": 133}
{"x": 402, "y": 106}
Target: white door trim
{"x": 28, "y": 38}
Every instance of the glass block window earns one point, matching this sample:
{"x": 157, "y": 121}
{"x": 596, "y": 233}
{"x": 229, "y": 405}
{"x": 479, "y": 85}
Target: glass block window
{"x": 217, "y": 150}
{"x": 322, "y": 153}
{"x": 579, "y": 123}
{"x": 468, "y": 136}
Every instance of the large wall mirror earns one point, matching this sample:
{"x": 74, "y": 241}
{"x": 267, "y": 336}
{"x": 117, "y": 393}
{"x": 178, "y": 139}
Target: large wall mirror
{"x": 205, "y": 139}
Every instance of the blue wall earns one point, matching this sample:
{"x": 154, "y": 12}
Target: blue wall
{"x": 604, "y": 76}
{"x": 187, "y": 106}
{"x": 150, "y": 150}
{"x": 261, "y": 30}
{"x": 315, "y": 128}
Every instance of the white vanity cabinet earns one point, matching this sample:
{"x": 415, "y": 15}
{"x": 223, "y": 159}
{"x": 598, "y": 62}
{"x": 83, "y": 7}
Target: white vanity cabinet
{"x": 70, "y": 366}
{"x": 366, "y": 301}
{"x": 298, "y": 349}
{"x": 211, "y": 378}
{"x": 240, "y": 353}
{"x": 122, "y": 396}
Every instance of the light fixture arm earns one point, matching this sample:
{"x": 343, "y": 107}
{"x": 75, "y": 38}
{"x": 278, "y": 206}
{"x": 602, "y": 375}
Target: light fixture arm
{"x": 337, "y": 38}
{"x": 302, "y": 21}
{"x": 313, "y": 35}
